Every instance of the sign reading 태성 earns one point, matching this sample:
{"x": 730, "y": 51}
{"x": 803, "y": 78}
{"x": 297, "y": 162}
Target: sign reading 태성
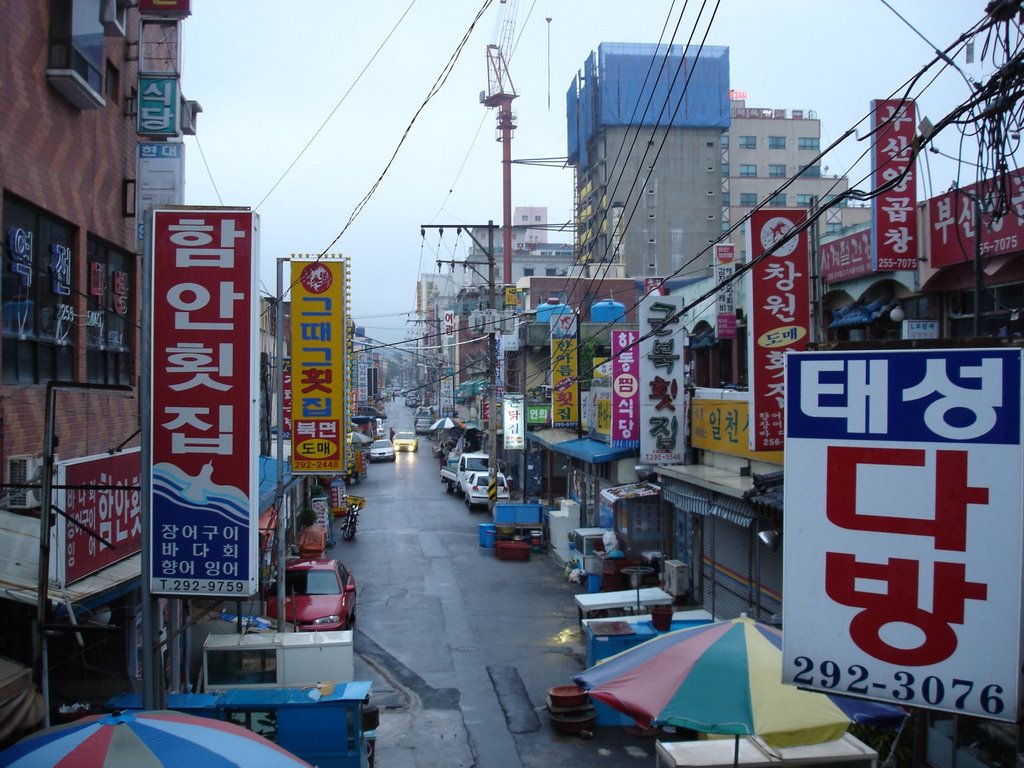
{"x": 319, "y": 333}
{"x": 204, "y": 403}
{"x": 907, "y": 518}
{"x": 663, "y": 402}
{"x": 778, "y": 289}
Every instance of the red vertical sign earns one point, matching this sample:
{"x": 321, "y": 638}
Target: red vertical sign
{"x": 778, "y": 289}
{"x": 894, "y": 211}
{"x": 204, "y": 451}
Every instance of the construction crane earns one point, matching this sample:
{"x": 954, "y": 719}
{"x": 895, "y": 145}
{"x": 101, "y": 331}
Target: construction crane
{"x": 500, "y": 93}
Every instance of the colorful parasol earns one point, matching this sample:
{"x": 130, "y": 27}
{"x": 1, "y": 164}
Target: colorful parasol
{"x": 147, "y": 740}
{"x": 725, "y": 678}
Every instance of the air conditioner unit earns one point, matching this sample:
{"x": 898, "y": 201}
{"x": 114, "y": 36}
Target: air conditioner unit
{"x": 674, "y": 576}
{"x": 22, "y": 470}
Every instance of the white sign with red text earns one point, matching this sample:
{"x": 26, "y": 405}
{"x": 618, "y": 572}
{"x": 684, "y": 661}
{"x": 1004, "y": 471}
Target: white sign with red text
{"x": 906, "y": 514}
{"x": 204, "y": 403}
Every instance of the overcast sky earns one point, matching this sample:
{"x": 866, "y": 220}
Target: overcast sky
{"x": 274, "y": 77}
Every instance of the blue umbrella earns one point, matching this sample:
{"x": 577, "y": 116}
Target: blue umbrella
{"x": 147, "y": 740}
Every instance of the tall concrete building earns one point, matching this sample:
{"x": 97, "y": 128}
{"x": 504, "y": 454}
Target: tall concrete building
{"x": 645, "y": 125}
{"x": 764, "y": 148}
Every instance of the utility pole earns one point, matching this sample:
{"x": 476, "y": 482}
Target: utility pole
{"x": 492, "y": 428}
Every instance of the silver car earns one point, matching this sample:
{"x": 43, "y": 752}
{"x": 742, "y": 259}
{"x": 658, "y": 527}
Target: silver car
{"x": 382, "y": 450}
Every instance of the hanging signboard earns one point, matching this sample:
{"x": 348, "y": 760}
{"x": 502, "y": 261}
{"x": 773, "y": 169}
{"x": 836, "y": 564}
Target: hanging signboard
{"x": 565, "y": 402}
{"x": 625, "y": 415}
{"x": 906, "y": 515}
{"x": 662, "y": 380}
{"x": 204, "y": 394}
{"x": 319, "y": 349}
{"x": 778, "y": 289}
{"x": 894, "y": 211}
{"x": 514, "y": 422}
{"x": 725, "y": 304}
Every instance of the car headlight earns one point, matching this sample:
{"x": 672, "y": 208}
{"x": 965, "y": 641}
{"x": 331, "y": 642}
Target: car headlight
{"x": 328, "y": 620}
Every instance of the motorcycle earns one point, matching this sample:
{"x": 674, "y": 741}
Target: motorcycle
{"x": 348, "y": 526}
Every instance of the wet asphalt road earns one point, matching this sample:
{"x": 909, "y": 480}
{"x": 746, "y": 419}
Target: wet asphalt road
{"x": 462, "y": 647}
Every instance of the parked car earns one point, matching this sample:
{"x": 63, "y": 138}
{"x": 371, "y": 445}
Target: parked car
{"x": 369, "y": 410}
{"x": 412, "y": 401}
{"x": 406, "y": 441}
{"x": 476, "y": 489}
{"x": 382, "y": 450}
{"x": 320, "y": 596}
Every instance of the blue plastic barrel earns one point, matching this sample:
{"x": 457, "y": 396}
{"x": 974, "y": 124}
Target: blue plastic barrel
{"x": 593, "y": 583}
{"x": 486, "y": 531}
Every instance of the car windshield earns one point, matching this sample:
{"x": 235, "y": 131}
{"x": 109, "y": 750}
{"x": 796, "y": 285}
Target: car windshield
{"x": 381, "y": 444}
{"x": 405, "y": 436}
{"x": 311, "y": 583}
{"x": 476, "y": 464}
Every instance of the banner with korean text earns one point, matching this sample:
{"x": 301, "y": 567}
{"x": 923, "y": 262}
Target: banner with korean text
{"x": 319, "y": 327}
{"x": 514, "y": 422}
{"x": 204, "y": 486}
{"x": 725, "y": 301}
{"x": 625, "y": 389}
{"x": 778, "y": 289}
{"x": 663, "y": 404}
{"x": 894, "y": 211}
{"x": 565, "y": 398}
{"x": 906, "y": 515}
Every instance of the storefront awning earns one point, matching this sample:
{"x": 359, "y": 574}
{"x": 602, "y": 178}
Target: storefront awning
{"x": 593, "y": 451}
{"x": 700, "y": 501}
{"x": 268, "y": 481}
{"x": 549, "y": 438}
{"x": 19, "y": 569}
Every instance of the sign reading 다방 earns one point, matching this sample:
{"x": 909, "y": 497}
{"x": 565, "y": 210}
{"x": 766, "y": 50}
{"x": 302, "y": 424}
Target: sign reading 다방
{"x": 662, "y": 385}
{"x": 778, "y": 289}
{"x": 907, "y": 518}
{"x": 319, "y": 407}
{"x": 204, "y": 403}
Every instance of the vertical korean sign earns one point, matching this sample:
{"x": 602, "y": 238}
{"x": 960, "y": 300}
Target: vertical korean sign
{"x": 204, "y": 402}
{"x": 319, "y": 404}
{"x": 778, "y": 290}
{"x": 893, "y": 212}
{"x": 725, "y": 303}
{"x": 565, "y": 400}
{"x": 662, "y": 387}
{"x": 514, "y": 422}
{"x": 907, "y": 518}
{"x": 625, "y": 389}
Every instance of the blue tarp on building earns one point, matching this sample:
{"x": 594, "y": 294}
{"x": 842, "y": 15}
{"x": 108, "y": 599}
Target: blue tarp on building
{"x": 646, "y": 84}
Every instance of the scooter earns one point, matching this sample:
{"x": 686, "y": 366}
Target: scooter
{"x": 348, "y": 526}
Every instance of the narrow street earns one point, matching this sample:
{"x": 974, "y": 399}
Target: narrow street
{"x": 462, "y": 647}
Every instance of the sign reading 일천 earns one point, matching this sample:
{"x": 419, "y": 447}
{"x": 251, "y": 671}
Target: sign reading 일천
{"x": 204, "y": 488}
{"x": 907, "y": 518}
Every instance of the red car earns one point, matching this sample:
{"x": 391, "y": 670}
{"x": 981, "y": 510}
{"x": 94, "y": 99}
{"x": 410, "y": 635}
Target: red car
{"x": 320, "y": 595}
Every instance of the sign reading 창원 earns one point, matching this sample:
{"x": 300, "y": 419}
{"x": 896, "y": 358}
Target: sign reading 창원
{"x": 204, "y": 403}
{"x": 907, "y": 518}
